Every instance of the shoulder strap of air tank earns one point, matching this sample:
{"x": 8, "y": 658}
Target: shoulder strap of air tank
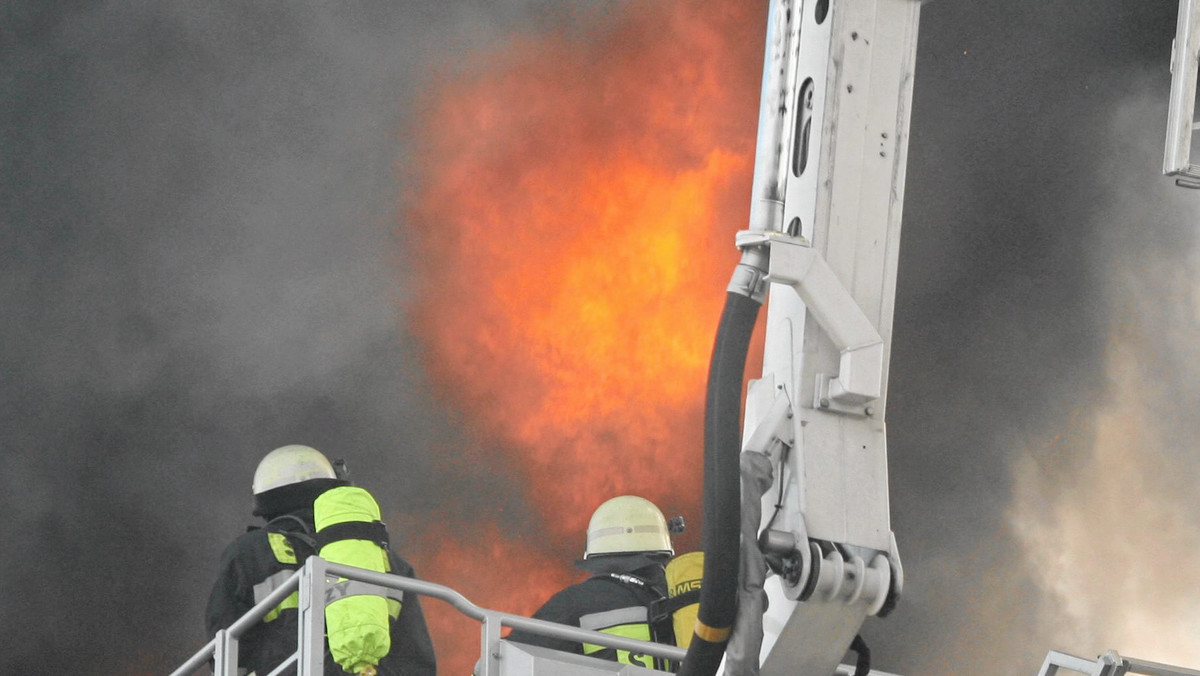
{"x": 641, "y": 587}
{"x": 295, "y": 529}
{"x": 667, "y": 605}
{"x": 658, "y": 606}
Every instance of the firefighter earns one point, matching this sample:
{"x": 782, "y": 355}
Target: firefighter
{"x": 628, "y": 543}
{"x": 287, "y": 484}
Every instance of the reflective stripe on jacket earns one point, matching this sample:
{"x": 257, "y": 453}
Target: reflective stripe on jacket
{"x": 603, "y": 603}
{"x": 631, "y": 622}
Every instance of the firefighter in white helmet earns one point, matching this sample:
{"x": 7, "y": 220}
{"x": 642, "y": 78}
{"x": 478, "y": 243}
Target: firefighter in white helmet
{"x": 305, "y": 502}
{"x": 628, "y": 543}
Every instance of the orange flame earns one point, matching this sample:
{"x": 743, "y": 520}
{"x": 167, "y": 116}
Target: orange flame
{"x": 575, "y": 229}
{"x": 487, "y": 567}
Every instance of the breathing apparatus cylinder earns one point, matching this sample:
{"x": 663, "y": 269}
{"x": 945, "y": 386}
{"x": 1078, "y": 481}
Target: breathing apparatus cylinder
{"x": 683, "y": 579}
{"x": 349, "y": 531}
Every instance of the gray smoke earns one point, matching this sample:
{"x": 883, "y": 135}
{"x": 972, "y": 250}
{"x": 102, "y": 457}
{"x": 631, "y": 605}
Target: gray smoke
{"x": 1033, "y": 188}
{"x": 199, "y": 262}
{"x": 1112, "y": 533}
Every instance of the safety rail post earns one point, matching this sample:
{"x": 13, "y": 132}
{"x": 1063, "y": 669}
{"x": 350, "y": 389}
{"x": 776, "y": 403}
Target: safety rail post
{"x": 225, "y": 657}
{"x": 311, "y": 625}
{"x": 490, "y": 636}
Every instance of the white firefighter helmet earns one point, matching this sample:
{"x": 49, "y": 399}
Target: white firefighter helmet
{"x": 627, "y": 524}
{"x": 291, "y": 465}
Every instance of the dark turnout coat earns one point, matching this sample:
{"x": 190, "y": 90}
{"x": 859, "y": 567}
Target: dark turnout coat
{"x": 615, "y": 603}
{"x": 259, "y": 557}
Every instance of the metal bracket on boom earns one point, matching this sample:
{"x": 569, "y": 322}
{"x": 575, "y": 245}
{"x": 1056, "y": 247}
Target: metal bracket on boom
{"x": 775, "y": 431}
{"x": 810, "y": 568}
{"x": 788, "y": 553}
{"x": 859, "y": 381}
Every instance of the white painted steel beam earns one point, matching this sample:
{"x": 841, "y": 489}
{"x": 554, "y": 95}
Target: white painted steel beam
{"x": 1181, "y": 123}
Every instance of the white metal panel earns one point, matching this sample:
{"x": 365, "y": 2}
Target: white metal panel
{"x": 858, "y": 190}
{"x": 848, "y": 203}
{"x": 1182, "y": 109}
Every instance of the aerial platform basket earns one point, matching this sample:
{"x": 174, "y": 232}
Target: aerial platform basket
{"x": 498, "y": 657}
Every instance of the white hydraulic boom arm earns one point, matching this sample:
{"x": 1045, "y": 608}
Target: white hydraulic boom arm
{"x": 825, "y": 222}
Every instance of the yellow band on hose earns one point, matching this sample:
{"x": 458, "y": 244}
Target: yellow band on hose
{"x": 711, "y": 634}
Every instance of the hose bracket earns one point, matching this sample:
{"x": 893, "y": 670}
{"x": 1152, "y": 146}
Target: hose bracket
{"x": 793, "y": 261}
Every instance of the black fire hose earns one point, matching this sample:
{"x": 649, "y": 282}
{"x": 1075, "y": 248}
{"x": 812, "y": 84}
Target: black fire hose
{"x": 722, "y": 487}
{"x": 862, "y": 665}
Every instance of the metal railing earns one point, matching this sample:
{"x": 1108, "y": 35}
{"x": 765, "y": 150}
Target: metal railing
{"x": 314, "y": 579}
{"x": 1108, "y": 664}
{"x": 847, "y": 670}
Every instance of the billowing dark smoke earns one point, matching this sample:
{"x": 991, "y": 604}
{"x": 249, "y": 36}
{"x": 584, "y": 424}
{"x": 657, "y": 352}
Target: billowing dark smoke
{"x": 199, "y": 263}
{"x": 1033, "y": 201}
